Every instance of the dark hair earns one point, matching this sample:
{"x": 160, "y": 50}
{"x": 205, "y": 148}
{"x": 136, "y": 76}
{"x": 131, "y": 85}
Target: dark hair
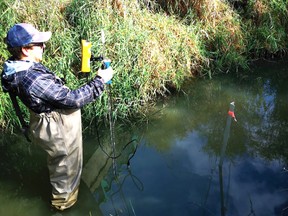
{"x": 16, "y": 52}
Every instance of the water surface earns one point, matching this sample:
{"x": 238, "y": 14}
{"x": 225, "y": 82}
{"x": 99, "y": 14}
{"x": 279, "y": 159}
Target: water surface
{"x": 174, "y": 157}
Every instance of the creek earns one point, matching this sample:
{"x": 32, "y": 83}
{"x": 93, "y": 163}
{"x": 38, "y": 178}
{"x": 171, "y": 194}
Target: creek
{"x": 172, "y": 164}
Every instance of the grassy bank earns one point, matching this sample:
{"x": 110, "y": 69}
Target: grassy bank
{"x": 154, "y": 48}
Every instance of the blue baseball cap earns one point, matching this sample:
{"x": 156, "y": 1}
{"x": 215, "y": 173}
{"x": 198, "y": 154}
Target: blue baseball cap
{"x": 23, "y": 34}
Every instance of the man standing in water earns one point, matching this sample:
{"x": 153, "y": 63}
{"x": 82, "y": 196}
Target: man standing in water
{"x": 55, "y": 116}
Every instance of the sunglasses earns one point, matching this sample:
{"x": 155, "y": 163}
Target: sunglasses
{"x": 38, "y": 44}
{"x": 42, "y": 45}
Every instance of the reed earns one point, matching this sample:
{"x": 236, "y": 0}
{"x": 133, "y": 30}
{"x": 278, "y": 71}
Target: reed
{"x": 267, "y": 26}
{"x": 150, "y": 52}
{"x": 155, "y": 46}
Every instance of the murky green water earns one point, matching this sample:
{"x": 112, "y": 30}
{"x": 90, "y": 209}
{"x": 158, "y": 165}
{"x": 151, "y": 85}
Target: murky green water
{"x": 174, "y": 158}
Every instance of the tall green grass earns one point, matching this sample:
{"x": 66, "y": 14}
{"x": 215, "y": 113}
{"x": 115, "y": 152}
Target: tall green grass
{"x": 155, "y": 46}
{"x": 267, "y": 25}
{"x": 235, "y": 32}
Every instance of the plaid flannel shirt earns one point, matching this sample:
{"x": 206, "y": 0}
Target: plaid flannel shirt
{"x": 42, "y": 91}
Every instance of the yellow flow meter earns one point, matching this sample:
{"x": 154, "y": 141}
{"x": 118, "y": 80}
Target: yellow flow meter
{"x": 86, "y": 56}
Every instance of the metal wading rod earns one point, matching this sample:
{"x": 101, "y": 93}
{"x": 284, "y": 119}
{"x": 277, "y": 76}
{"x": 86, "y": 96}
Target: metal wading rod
{"x": 105, "y": 65}
{"x": 86, "y": 59}
{"x": 112, "y": 128}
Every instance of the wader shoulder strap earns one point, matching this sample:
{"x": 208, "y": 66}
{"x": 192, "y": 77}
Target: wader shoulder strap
{"x": 25, "y": 127}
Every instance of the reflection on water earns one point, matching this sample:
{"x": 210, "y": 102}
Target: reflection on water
{"x": 182, "y": 164}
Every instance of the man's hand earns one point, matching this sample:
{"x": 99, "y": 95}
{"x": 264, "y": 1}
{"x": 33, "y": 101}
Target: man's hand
{"x": 106, "y": 74}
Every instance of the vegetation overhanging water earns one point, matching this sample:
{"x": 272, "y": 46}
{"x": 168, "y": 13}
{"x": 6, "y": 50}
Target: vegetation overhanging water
{"x": 154, "y": 47}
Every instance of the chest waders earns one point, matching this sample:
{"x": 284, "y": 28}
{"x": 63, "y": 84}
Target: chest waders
{"x": 59, "y": 133}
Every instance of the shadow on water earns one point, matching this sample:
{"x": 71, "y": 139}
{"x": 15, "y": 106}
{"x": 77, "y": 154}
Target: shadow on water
{"x": 191, "y": 158}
